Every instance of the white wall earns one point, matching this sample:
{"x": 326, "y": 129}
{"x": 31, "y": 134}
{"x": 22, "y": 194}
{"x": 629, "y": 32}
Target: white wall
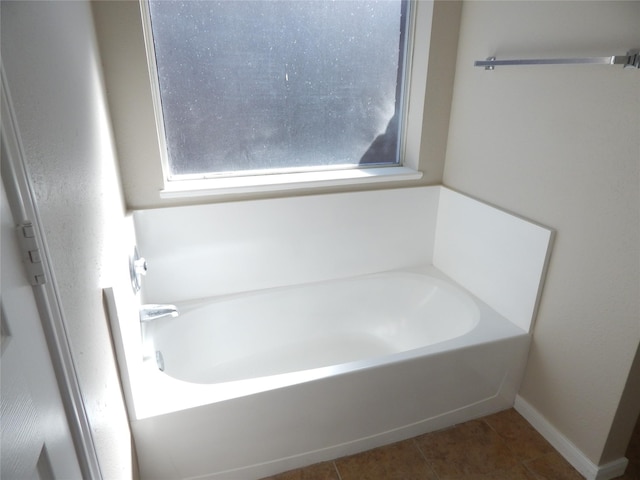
{"x": 498, "y": 257}
{"x": 560, "y": 145}
{"x": 51, "y": 62}
{"x": 201, "y": 251}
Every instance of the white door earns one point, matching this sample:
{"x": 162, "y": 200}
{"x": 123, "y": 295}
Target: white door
{"x": 36, "y": 442}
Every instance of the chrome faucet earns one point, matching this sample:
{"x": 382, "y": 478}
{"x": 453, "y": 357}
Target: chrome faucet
{"x": 151, "y": 312}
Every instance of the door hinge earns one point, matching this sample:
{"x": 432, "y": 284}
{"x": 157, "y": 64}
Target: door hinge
{"x": 31, "y": 253}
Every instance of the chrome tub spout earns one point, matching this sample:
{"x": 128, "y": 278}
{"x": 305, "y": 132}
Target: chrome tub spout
{"x": 151, "y": 312}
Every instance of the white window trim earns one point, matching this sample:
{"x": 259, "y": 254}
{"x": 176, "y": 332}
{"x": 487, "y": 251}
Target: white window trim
{"x": 286, "y": 181}
{"x": 417, "y": 58}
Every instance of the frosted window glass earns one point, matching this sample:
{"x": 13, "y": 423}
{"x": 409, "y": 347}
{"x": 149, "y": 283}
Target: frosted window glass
{"x": 278, "y": 85}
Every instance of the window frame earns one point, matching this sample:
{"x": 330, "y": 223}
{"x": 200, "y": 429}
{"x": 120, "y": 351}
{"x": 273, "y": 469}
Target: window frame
{"x": 420, "y": 14}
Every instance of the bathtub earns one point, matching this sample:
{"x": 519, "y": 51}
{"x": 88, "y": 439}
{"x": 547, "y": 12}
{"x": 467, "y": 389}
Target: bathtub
{"x": 248, "y": 385}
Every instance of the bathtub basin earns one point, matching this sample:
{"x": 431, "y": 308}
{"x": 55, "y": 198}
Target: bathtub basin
{"x": 307, "y": 327}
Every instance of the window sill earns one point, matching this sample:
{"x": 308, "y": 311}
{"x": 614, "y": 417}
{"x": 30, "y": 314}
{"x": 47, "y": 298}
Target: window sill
{"x": 286, "y": 181}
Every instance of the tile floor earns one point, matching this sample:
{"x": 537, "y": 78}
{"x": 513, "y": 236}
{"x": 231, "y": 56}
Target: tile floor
{"x": 633, "y": 454}
{"x": 502, "y": 446}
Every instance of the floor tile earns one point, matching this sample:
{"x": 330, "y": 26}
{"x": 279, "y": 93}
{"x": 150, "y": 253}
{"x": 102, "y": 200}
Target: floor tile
{"x": 632, "y": 472}
{"x": 553, "y": 467}
{"x": 518, "y": 472}
{"x": 502, "y": 446}
{"x": 470, "y": 448}
{"x": 521, "y": 438}
{"x": 633, "y": 450}
{"x": 319, "y": 471}
{"x": 399, "y": 461}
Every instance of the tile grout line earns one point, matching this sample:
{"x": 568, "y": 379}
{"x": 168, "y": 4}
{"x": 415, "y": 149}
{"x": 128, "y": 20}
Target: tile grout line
{"x": 504, "y": 440}
{"x": 507, "y": 443}
{"x": 521, "y": 461}
{"x": 424, "y": 457}
{"x": 534, "y": 474}
{"x": 335, "y": 467}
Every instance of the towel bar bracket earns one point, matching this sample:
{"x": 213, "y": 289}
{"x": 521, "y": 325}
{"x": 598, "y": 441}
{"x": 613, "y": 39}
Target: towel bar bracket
{"x": 633, "y": 59}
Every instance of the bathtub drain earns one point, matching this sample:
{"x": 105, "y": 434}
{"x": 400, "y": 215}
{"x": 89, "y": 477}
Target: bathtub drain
{"x": 159, "y": 360}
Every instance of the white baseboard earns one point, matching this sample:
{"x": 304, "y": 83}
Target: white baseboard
{"x": 566, "y": 448}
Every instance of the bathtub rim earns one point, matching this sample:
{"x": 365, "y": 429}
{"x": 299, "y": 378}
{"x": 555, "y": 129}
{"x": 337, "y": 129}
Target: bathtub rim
{"x": 148, "y": 391}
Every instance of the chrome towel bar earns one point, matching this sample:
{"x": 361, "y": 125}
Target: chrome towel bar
{"x": 630, "y": 60}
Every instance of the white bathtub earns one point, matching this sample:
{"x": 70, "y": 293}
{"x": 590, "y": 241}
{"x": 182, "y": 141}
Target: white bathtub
{"x": 308, "y": 327}
{"x": 262, "y": 382}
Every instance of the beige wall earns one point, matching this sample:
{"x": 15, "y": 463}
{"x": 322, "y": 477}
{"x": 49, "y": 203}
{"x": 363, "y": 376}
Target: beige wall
{"x": 50, "y": 59}
{"x": 561, "y": 146}
{"x": 119, "y": 28}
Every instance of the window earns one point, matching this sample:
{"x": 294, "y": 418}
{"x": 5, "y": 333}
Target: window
{"x": 287, "y": 90}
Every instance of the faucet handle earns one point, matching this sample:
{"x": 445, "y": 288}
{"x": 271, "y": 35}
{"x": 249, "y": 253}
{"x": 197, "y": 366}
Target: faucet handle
{"x": 137, "y": 268}
{"x": 140, "y": 266}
